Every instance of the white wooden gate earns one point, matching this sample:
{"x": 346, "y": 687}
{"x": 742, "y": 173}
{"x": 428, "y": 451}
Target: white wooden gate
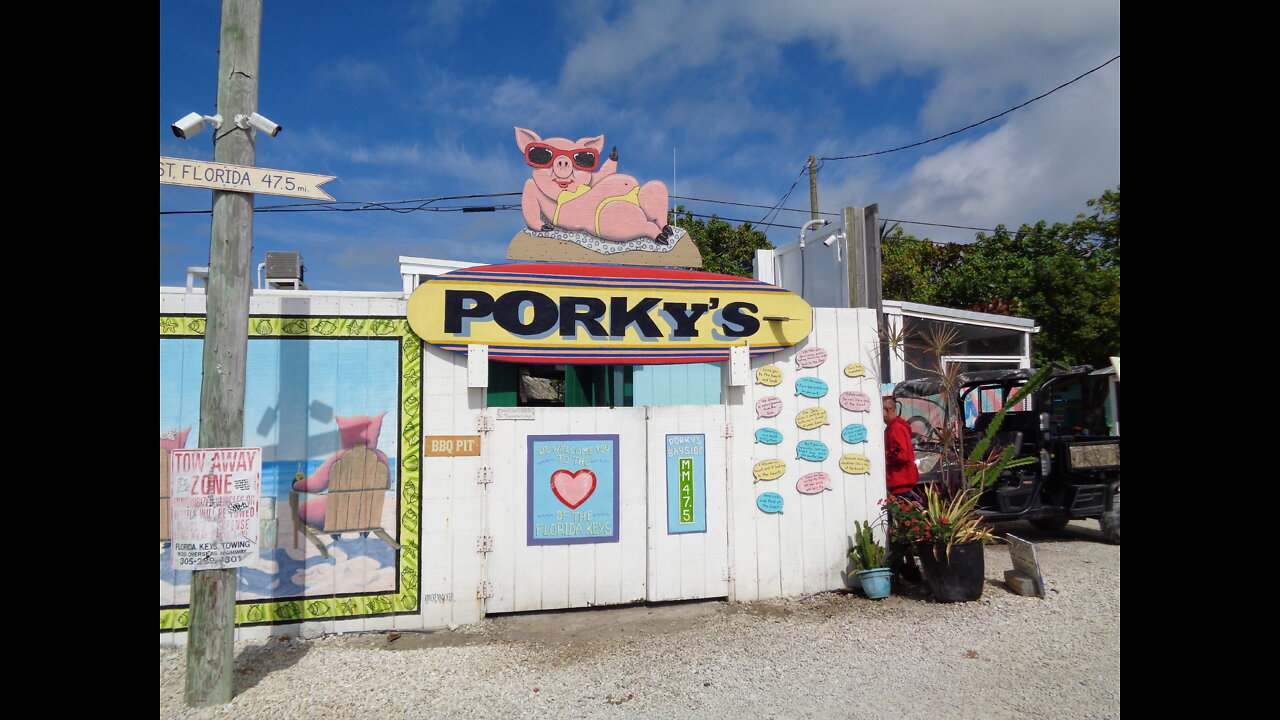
{"x": 646, "y": 562}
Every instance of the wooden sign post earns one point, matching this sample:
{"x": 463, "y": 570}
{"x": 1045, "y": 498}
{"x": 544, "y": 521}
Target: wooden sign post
{"x": 211, "y": 633}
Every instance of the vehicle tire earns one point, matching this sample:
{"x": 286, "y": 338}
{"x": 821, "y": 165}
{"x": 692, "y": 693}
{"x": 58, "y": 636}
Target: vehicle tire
{"x": 1051, "y": 523}
{"x": 1109, "y": 523}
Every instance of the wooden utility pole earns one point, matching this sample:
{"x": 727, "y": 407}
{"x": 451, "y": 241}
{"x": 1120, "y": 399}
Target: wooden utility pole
{"x": 211, "y": 632}
{"x": 813, "y": 187}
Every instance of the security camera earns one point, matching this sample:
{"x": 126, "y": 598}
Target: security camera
{"x": 256, "y": 121}
{"x": 193, "y": 123}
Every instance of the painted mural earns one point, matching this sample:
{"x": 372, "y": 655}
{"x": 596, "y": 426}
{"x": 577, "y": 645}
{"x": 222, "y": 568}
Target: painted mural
{"x": 584, "y": 210}
{"x": 334, "y": 404}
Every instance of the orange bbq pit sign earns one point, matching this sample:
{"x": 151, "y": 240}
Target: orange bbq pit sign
{"x": 450, "y": 445}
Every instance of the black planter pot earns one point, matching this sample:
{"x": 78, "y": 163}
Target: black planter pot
{"x": 957, "y": 578}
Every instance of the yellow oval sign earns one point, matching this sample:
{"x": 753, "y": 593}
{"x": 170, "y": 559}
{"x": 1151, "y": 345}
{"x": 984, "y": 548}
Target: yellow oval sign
{"x": 855, "y": 370}
{"x": 855, "y": 464}
{"x": 769, "y": 470}
{"x": 548, "y": 313}
{"x": 811, "y": 418}
{"x": 769, "y": 375}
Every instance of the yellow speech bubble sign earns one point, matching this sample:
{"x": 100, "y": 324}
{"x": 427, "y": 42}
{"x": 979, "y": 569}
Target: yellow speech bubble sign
{"x": 811, "y": 418}
{"x": 769, "y": 470}
{"x": 769, "y": 375}
{"x": 855, "y": 370}
{"x": 855, "y": 464}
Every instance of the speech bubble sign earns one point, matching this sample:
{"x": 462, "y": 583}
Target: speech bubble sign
{"x": 855, "y": 464}
{"x": 770, "y": 502}
{"x": 855, "y": 401}
{"x": 811, "y": 387}
{"x": 769, "y": 375}
{"x": 811, "y": 418}
{"x": 769, "y": 470}
{"x": 855, "y": 370}
{"x": 811, "y": 357}
{"x": 768, "y": 436}
{"x": 812, "y": 450}
{"x": 767, "y": 407}
{"x": 854, "y": 433}
{"x": 814, "y": 483}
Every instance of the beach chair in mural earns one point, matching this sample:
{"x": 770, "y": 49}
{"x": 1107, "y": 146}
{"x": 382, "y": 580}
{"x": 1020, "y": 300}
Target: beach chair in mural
{"x": 358, "y": 484}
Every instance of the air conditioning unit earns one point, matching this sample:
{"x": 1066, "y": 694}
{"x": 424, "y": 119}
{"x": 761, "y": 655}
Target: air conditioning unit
{"x": 285, "y": 270}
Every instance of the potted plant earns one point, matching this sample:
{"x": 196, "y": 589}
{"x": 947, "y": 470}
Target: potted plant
{"x": 951, "y": 552}
{"x": 869, "y": 557}
{"x": 945, "y": 530}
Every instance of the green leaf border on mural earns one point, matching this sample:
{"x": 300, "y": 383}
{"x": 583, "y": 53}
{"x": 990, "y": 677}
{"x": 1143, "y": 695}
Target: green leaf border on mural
{"x": 330, "y": 607}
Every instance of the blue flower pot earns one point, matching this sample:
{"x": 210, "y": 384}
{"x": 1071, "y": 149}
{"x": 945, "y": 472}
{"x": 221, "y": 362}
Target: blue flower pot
{"x": 875, "y": 583}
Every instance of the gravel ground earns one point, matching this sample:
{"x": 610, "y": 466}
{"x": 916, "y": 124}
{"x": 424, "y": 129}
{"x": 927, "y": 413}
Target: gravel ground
{"x": 833, "y": 655}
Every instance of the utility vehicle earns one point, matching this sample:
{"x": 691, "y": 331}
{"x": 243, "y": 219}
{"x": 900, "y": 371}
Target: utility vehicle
{"x": 1063, "y": 424}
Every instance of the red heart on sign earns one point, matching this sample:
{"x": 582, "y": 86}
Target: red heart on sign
{"x": 572, "y": 488}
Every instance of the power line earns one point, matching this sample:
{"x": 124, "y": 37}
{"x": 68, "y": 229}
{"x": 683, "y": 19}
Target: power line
{"x": 422, "y": 204}
{"x": 425, "y": 205}
{"x": 980, "y": 122}
{"x": 785, "y": 196}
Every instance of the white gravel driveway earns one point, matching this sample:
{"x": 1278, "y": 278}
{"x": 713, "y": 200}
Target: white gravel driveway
{"x": 834, "y": 655}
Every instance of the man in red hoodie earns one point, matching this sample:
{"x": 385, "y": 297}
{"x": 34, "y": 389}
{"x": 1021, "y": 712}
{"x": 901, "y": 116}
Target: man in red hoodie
{"x": 900, "y": 471}
{"x": 900, "y": 477}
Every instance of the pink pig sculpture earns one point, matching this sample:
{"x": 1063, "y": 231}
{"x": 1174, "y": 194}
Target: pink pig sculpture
{"x": 571, "y": 189}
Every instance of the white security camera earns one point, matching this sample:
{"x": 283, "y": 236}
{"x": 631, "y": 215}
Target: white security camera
{"x": 258, "y": 122}
{"x": 193, "y": 123}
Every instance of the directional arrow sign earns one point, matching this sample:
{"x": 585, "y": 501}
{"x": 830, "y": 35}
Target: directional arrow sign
{"x": 238, "y": 178}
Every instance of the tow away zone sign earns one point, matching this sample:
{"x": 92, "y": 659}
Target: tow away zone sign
{"x": 239, "y": 178}
{"x": 214, "y": 507}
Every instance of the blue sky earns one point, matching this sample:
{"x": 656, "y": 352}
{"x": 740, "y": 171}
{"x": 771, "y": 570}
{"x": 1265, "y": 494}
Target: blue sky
{"x": 405, "y": 100}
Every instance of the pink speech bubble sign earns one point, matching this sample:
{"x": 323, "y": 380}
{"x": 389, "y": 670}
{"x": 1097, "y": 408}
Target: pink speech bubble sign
{"x": 811, "y": 357}
{"x": 855, "y": 401}
{"x": 768, "y": 406}
{"x": 814, "y": 483}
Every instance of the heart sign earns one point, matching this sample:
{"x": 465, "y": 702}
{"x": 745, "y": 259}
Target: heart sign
{"x": 572, "y": 488}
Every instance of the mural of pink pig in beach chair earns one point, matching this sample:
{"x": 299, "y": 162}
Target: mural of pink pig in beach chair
{"x": 576, "y": 197}
{"x": 349, "y": 488}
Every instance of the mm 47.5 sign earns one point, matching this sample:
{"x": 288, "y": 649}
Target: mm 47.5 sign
{"x": 240, "y": 178}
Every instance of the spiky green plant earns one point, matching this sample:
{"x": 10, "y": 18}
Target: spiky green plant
{"x": 866, "y": 553}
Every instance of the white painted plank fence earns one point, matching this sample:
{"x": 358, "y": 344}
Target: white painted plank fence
{"x": 744, "y": 555}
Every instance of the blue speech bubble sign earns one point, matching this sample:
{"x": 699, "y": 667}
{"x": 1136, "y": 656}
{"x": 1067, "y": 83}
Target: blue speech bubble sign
{"x": 812, "y": 450}
{"x": 770, "y": 502}
{"x": 768, "y": 436}
{"x": 854, "y": 433}
{"x": 811, "y": 387}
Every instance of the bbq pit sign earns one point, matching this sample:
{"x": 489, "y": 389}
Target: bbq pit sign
{"x": 214, "y": 507}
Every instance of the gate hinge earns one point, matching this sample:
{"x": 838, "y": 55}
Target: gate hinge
{"x": 728, "y": 573}
{"x": 484, "y": 590}
{"x": 484, "y": 475}
{"x": 728, "y": 430}
{"x": 484, "y": 424}
{"x": 484, "y": 544}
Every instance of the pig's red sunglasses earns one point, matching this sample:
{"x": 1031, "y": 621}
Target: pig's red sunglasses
{"x": 541, "y": 155}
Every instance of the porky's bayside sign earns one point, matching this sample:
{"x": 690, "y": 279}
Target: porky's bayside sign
{"x": 548, "y": 313}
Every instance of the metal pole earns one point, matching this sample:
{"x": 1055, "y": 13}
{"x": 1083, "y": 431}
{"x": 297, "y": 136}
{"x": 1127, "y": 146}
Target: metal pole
{"x": 211, "y": 633}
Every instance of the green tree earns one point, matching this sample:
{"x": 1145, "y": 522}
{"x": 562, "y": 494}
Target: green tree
{"x": 725, "y": 249}
{"x": 1066, "y": 276}
{"x": 911, "y": 269}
